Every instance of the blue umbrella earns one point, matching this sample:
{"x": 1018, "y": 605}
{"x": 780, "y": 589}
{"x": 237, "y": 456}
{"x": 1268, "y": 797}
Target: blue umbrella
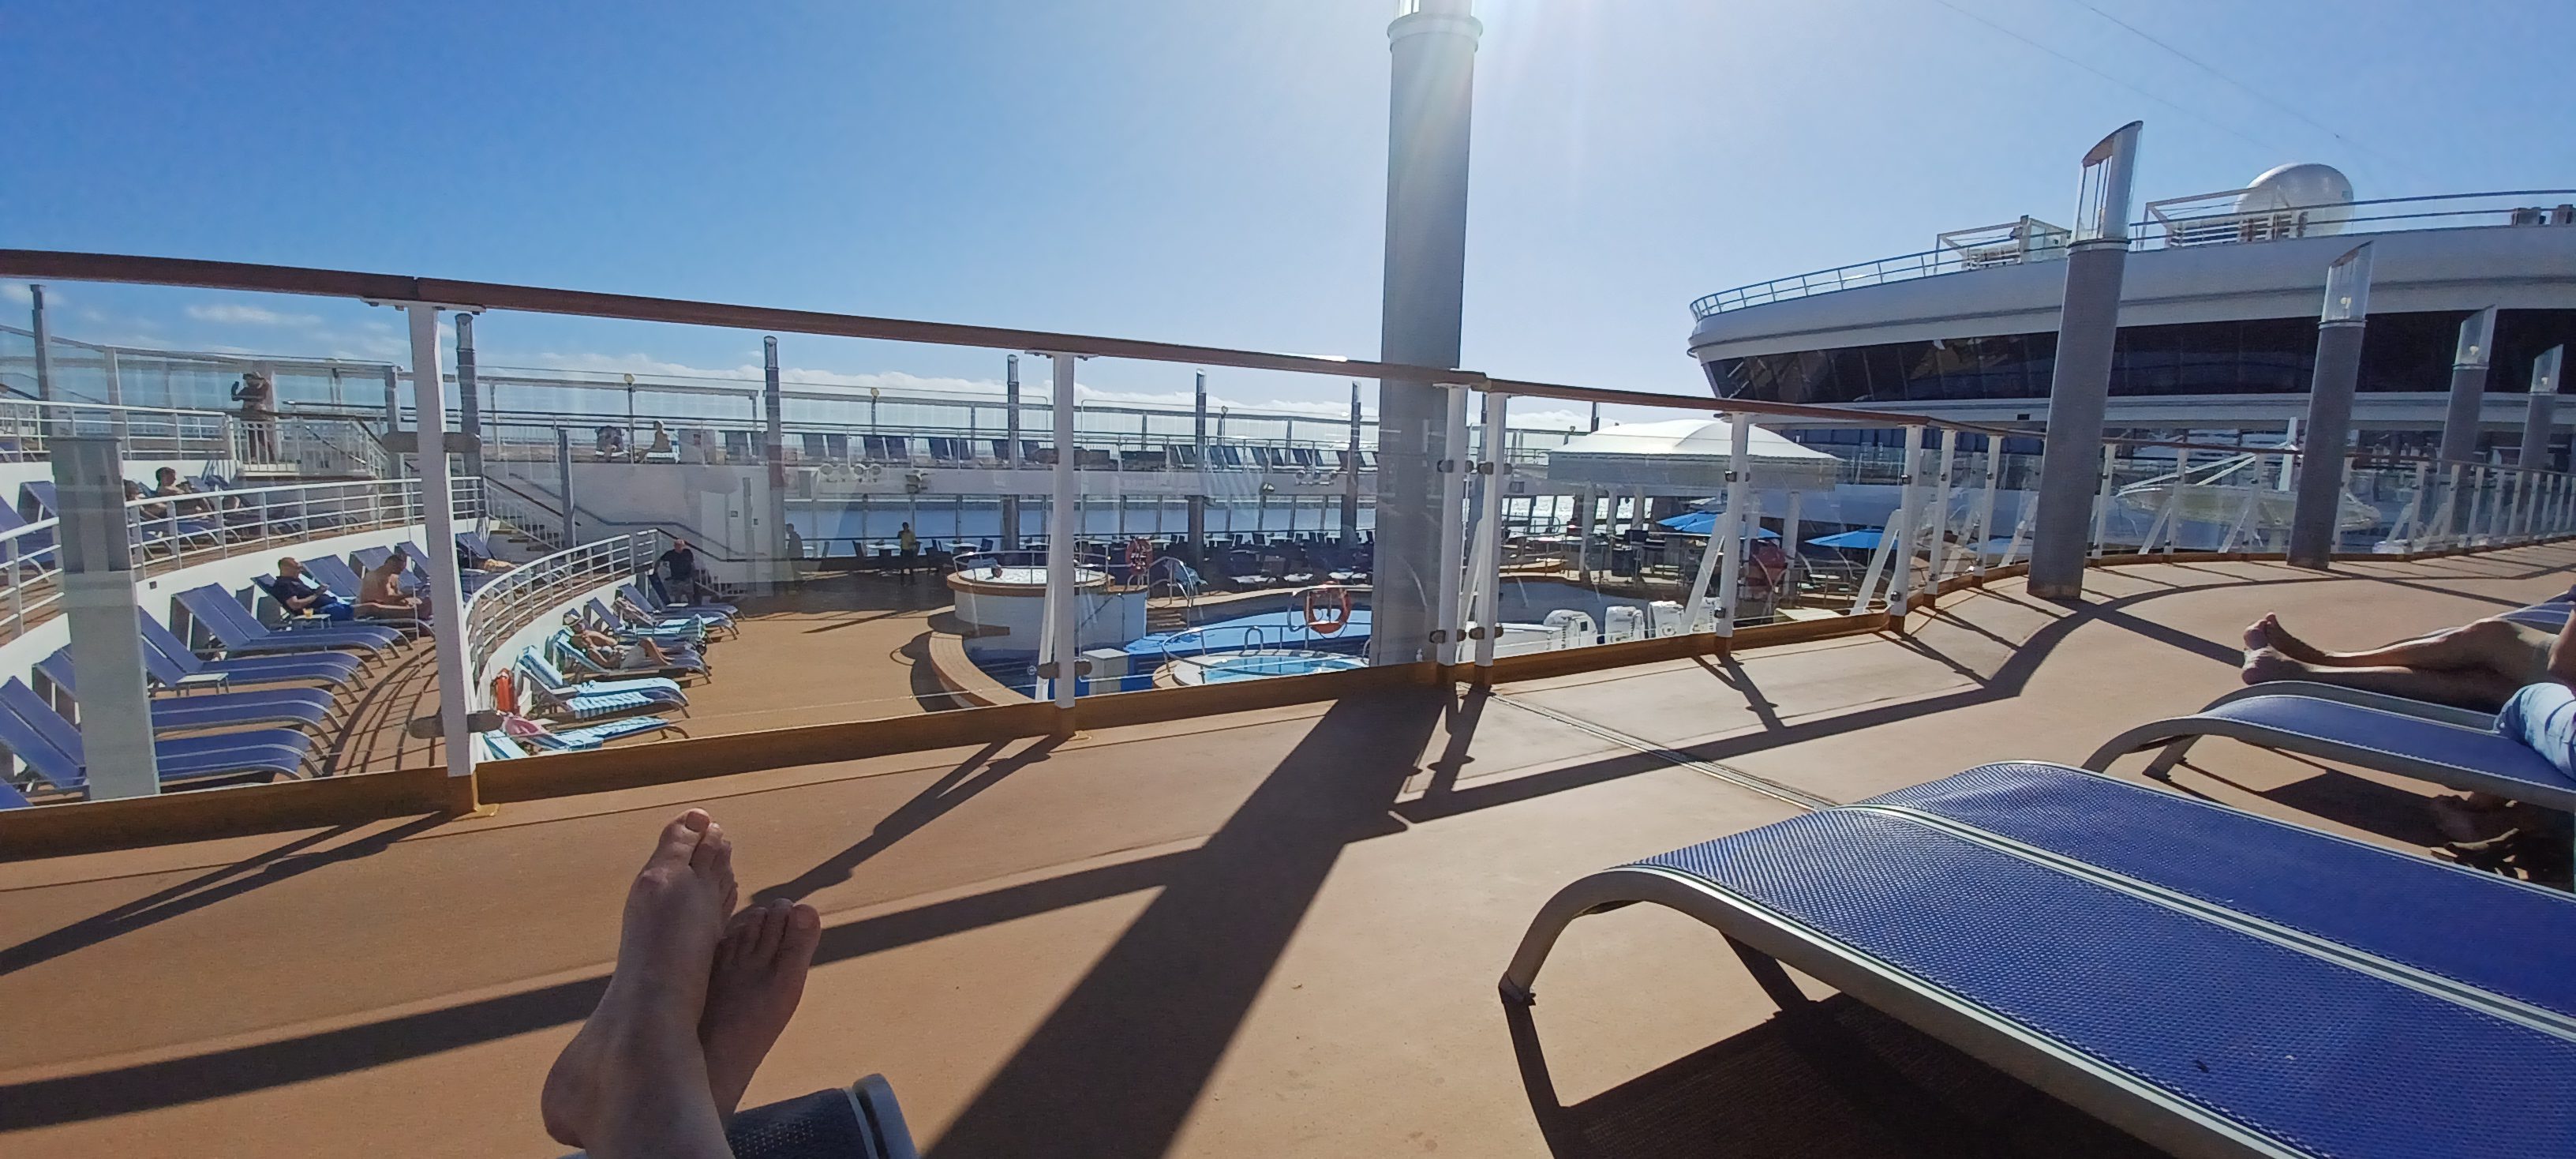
{"x": 1705, "y": 523}
{"x": 1850, "y": 540}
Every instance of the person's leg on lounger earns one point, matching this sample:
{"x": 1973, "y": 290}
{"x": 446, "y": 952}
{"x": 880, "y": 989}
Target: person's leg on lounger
{"x": 2477, "y": 665}
{"x": 2541, "y": 715}
{"x": 728, "y": 988}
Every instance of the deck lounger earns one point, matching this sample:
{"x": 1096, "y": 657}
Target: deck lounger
{"x": 861, "y": 1121}
{"x": 293, "y": 707}
{"x": 51, "y": 749}
{"x": 171, "y": 663}
{"x": 688, "y": 630}
{"x": 34, "y": 549}
{"x": 11, "y": 798}
{"x": 719, "y": 613}
{"x": 2458, "y": 755}
{"x": 469, "y": 581}
{"x": 578, "y": 664}
{"x": 239, "y": 632}
{"x": 535, "y": 665}
{"x": 335, "y": 574}
{"x": 502, "y": 746}
{"x": 581, "y": 702}
{"x": 2212, "y": 982}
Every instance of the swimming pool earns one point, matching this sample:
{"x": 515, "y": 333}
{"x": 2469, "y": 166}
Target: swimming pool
{"x": 1225, "y": 668}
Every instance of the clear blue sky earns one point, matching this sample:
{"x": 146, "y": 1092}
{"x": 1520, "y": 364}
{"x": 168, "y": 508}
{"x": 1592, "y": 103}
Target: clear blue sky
{"x": 1197, "y": 171}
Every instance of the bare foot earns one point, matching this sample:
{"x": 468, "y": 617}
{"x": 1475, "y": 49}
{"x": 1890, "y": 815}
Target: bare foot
{"x": 2279, "y": 639}
{"x": 759, "y": 976}
{"x": 2263, "y": 665}
{"x": 619, "y": 1073}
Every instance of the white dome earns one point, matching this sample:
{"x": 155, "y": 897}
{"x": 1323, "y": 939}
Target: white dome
{"x": 2322, "y": 192}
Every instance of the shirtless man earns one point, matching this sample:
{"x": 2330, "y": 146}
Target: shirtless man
{"x": 380, "y": 594}
{"x": 2477, "y": 665}
{"x": 693, "y": 1006}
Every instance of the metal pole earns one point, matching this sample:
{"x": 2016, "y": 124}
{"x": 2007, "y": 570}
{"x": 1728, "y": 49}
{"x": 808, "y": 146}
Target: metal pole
{"x": 563, "y": 486}
{"x": 1197, "y": 552}
{"x": 1062, "y": 612}
{"x": 1489, "y": 532}
{"x": 469, "y": 397}
{"x": 2313, "y": 523}
{"x": 2468, "y": 387}
{"x": 2088, "y": 329}
{"x": 2102, "y": 499}
{"x": 1443, "y": 633}
{"x": 438, "y": 507}
{"x": 1984, "y": 527}
{"x": 1433, "y": 51}
{"x": 98, "y": 595}
{"x": 44, "y": 339}
{"x": 1351, "y": 477}
{"x": 1010, "y": 540}
{"x": 1899, "y": 533}
{"x": 1940, "y": 545}
{"x": 1730, "y": 525}
{"x": 2542, "y": 410}
{"x": 773, "y": 416}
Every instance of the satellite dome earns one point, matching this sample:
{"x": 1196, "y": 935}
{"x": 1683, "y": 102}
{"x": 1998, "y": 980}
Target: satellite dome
{"x": 2321, "y": 192}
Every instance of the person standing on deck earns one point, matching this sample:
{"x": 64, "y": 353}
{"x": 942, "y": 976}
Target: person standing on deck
{"x": 907, "y": 546}
{"x": 257, "y": 394}
{"x": 677, "y": 566}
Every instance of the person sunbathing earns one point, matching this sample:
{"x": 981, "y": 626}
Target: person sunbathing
{"x": 2477, "y": 665}
{"x": 606, "y": 651}
{"x": 693, "y": 1005}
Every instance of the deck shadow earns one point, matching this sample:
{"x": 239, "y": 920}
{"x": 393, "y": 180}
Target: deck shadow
{"x": 1838, "y": 1081}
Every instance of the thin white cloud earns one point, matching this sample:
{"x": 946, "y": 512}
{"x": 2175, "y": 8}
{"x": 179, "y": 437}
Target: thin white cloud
{"x": 237, "y": 314}
{"x": 17, "y": 292}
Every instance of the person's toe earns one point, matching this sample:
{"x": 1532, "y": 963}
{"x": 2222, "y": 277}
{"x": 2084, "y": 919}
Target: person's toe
{"x": 804, "y": 933}
{"x": 679, "y": 840}
{"x": 741, "y": 933}
{"x": 710, "y": 853}
{"x": 773, "y": 928}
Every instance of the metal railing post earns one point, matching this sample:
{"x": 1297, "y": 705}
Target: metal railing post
{"x": 1447, "y": 625}
{"x": 1730, "y": 529}
{"x": 1489, "y": 536}
{"x": 1940, "y": 510}
{"x": 1983, "y": 528}
{"x": 2102, "y": 500}
{"x": 1900, "y": 529}
{"x": 446, "y": 586}
{"x": 1057, "y": 656}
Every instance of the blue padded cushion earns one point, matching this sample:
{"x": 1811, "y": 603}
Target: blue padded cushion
{"x": 2519, "y": 942}
{"x": 2322, "y": 1057}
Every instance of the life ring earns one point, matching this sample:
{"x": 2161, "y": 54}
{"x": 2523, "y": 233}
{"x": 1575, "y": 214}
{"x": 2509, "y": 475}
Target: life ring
{"x": 1320, "y": 625}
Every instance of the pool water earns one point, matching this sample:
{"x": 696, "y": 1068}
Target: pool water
{"x": 1222, "y": 669}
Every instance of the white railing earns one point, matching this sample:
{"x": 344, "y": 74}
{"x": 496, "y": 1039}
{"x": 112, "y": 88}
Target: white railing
{"x": 166, "y": 533}
{"x": 502, "y": 609}
{"x": 141, "y": 432}
{"x": 2200, "y": 219}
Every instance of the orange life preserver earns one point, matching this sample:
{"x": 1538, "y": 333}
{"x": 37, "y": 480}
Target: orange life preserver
{"x": 1326, "y": 627}
{"x": 505, "y": 693}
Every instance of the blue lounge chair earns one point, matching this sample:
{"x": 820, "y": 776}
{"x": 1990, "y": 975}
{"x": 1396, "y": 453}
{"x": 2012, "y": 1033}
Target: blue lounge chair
{"x": 861, "y": 1121}
{"x": 2452, "y": 747}
{"x": 503, "y": 746}
{"x": 578, "y": 702}
{"x": 171, "y": 663}
{"x": 536, "y": 666}
{"x": 685, "y": 632}
{"x": 293, "y": 707}
{"x": 50, "y": 747}
{"x": 709, "y": 616}
{"x": 580, "y": 666}
{"x": 11, "y": 798}
{"x": 335, "y": 574}
{"x": 2213, "y": 982}
{"x": 241, "y": 633}
{"x": 470, "y": 581}
{"x": 35, "y": 549}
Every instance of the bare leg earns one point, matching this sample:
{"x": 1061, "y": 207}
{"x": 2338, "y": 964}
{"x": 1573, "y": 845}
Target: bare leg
{"x": 759, "y": 976}
{"x": 2465, "y": 687}
{"x": 2494, "y": 645}
{"x": 634, "y": 1081}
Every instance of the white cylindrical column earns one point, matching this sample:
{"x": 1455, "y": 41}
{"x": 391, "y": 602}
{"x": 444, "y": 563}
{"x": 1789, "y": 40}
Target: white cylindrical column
{"x": 2079, "y": 386}
{"x": 438, "y": 505}
{"x": 1063, "y": 592}
{"x": 98, "y": 598}
{"x": 2315, "y": 519}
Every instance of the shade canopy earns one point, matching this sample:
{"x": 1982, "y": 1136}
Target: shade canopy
{"x": 1851, "y": 540}
{"x": 1688, "y": 454}
{"x": 1705, "y": 523}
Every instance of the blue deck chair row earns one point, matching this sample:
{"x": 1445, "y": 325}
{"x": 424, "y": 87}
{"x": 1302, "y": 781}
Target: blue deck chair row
{"x": 50, "y": 747}
{"x": 710, "y": 616}
{"x": 175, "y": 666}
{"x": 502, "y": 746}
{"x": 578, "y": 702}
{"x": 684, "y": 631}
{"x": 240, "y": 633}
{"x": 542, "y": 668}
{"x": 2213, "y": 982}
{"x": 293, "y": 707}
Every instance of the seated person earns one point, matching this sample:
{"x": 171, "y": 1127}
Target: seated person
{"x": 2476, "y": 665}
{"x": 696, "y": 1000}
{"x": 303, "y": 595}
{"x": 467, "y": 561}
{"x": 608, "y": 651}
{"x": 166, "y": 484}
{"x": 380, "y": 593}
{"x": 148, "y": 511}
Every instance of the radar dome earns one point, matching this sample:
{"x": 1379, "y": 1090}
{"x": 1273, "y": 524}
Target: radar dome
{"x": 2321, "y": 191}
